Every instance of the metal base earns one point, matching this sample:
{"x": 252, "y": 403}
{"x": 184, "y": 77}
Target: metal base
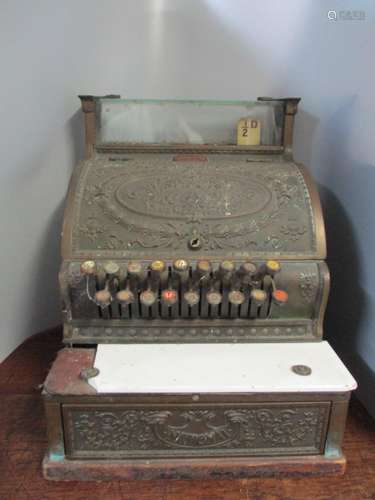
{"x": 222, "y": 468}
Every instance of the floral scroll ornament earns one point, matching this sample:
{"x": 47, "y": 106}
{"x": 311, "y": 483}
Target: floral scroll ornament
{"x": 274, "y": 242}
{"x": 94, "y": 193}
{"x": 131, "y": 430}
{"x": 92, "y": 229}
{"x": 293, "y": 229}
{"x": 126, "y": 210}
{"x": 307, "y": 286}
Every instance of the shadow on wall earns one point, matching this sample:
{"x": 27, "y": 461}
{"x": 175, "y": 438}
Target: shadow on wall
{"x": 45, "y": 302}
{"x": 348, "y": 325}
{"x": 304, "y": 130}
{"x": 47, "y": 265}
{"x": 349, "y": 306}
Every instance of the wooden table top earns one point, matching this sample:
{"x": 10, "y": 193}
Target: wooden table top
{"x": 23, "y": 444}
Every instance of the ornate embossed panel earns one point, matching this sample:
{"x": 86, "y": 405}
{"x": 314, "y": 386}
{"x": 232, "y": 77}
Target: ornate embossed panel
{"x": 97, "y": 431}
{"x": 211, "y": 199}
{"x": 151, "y": 203}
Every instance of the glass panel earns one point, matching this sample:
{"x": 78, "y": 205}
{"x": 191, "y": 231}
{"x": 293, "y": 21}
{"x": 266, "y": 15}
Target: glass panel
{"x": 184, "y": 122}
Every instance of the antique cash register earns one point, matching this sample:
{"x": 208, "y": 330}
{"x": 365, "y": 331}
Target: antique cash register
{"x": 193, "y": 284}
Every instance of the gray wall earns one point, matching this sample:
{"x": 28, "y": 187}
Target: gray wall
{"x": 51, "y": 51}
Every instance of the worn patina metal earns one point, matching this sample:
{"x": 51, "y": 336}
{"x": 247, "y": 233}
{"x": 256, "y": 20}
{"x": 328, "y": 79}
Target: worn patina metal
{"x": 290, "y": 304}
{"x": 152, "y": 206}
{"x": 189, "y": 243}
{"x": 85, "y": 425}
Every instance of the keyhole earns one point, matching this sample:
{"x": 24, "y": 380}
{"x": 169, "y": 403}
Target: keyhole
{"x": 195, "y": 243}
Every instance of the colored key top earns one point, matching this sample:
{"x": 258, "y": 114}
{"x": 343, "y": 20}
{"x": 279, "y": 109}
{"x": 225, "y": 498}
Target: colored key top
{"x": 236, "y": 297}
{"x": 125, "y": 296}
{"x": 103, "y": 297}
{"x": 148, "y": 297}
{"x": 158, "y": 266}
{"x": 280, "y": 297}
{"x": 169, "y": 296}
{"x": 248, "y": 268}
{"x": 214, "y": 298}
{"x": 134, "y": 268}
{"x": 88, "y": 267}
{"x": 180, "y": 265}
{"x": 258, "y": 296}
{"x": 204, "y": 266}
{"x": 227, "y": 266}
{"x": 111, "y": 267}
{"x": 272, "y": 267}
{"x": 191, "y": 297}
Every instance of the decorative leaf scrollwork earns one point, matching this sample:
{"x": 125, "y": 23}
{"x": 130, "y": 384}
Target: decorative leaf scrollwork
{"x": 307, "y": 284}
{"x": 203, "y": 428}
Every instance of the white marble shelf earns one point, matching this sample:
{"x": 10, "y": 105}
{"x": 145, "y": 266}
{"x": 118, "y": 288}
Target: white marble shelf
{"x": 219, "y": 368}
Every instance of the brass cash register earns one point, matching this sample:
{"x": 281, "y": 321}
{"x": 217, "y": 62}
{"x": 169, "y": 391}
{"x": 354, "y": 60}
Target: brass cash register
{"x": 193, "y": 284}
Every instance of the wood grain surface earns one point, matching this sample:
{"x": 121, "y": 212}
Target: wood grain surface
{"x": 23, "y": 444}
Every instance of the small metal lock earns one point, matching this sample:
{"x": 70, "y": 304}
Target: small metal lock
{"x": 195, "y": 243}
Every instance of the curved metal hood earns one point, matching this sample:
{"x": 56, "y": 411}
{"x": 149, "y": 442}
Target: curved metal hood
{"x": 147, "y": 205}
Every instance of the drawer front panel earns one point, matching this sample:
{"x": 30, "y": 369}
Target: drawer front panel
{"x": 146, "y": 431}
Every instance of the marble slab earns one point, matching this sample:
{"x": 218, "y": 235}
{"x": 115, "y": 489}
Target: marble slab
{"x": 219, "y": 368}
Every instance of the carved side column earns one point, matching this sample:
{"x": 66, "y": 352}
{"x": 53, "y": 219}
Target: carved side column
{"x": 88, "y": 103}
{"x": 88, "y": 108}
{"x": 291, "y": 105}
